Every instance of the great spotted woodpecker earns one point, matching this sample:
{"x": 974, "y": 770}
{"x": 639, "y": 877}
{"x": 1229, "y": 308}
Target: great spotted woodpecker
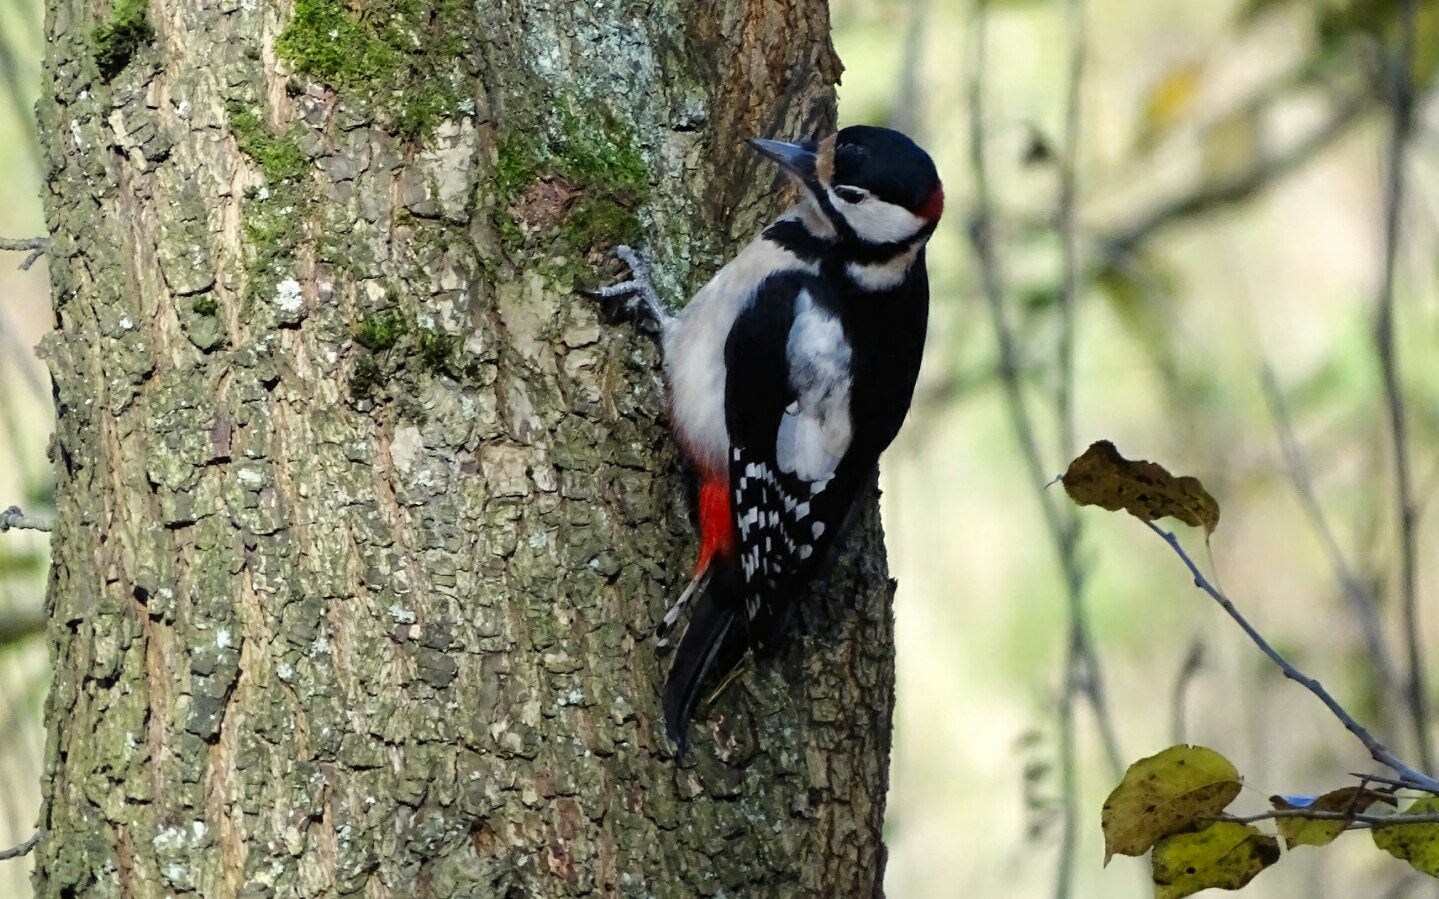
{"x": 788, "y": 374}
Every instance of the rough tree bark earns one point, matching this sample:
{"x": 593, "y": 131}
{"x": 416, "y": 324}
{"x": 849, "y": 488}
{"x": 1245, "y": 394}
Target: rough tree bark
{"x": 365, "y": 515}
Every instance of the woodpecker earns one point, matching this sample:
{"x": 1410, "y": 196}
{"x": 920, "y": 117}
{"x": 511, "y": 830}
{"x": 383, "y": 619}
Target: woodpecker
{"x": 787, "y": 375}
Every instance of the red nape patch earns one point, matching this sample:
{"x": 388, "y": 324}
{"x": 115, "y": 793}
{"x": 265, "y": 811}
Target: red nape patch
{"x": 716, "y": 527}
{"x": 933, "y": 208}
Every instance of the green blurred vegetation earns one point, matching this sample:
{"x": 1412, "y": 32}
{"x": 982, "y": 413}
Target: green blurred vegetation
{"x": 1230, "y": 191}
{"x": 25, "y": 426}
{"x": 1231, "y": 186}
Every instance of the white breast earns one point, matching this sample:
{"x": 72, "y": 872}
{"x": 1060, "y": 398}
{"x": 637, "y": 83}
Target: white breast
{"x": 694, "y": 350}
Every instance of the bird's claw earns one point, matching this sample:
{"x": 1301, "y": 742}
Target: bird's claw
{"x": 639, "y": 291}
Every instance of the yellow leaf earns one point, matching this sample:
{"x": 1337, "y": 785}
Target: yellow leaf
{"x": 1102, "y": 477}
{"x": 1308, "y": 832}
{"x": 1169, "y": 101}
{"x": 1165, "y": 794}
{"x": 1417, "y": 844}
{"x": 1226, "y": 855}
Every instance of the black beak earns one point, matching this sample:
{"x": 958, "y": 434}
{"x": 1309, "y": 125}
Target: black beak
{"x": 797, "y": 159}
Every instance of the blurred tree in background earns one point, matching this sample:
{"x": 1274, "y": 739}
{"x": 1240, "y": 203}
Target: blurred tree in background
{"x": 1168, "y": 227}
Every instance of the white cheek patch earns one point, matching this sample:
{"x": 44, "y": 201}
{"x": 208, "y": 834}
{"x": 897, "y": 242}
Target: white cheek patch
{"x": 876, "y": 221}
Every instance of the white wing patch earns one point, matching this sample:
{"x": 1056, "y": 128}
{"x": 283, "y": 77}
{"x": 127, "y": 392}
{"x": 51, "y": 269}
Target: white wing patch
{"x": 814, "y": 433}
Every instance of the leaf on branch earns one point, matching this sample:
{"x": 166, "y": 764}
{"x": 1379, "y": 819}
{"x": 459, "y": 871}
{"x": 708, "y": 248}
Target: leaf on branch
{"x": 1226, "y": 855}
{"x": 1102, "y": 477}
{"x": 1308, "y": 832}
{"x": 1417, "y": 844}
{"x": 1165, "y": 794}
{"x": 1170, "y": 101}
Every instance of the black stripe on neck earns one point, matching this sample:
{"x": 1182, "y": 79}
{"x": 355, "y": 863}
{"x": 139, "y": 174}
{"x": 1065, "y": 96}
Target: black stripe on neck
{"x": 795, "y": 237}
{"x": 856, "y": 250}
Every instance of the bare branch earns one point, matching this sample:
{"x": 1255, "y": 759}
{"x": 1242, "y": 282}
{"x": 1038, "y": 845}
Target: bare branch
{"x": 1377, "y": 822}
{"x": 1402, "y": 106}
{"x": 33, "y": 246}
{"x": 1082, "y": 673}
{"x": 1193, "y": 664}
{"x": 14, "y": 518}
{"x": 1408, "y": 777}
{"x": 1233, "y": 189}
{"x": 19, "y": 625}
{"x": 908, "y": 109}
{"x": 23, "y": 849}
{"x": 1361, "y": 600}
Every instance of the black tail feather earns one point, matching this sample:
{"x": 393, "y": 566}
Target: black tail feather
{"x": 712, "y": 644}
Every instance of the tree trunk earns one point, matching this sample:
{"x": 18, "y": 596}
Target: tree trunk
{"x": 365, "y": 514}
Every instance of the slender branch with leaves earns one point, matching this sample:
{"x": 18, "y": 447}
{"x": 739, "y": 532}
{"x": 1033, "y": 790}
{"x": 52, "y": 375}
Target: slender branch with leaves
{"x": 1174, "y": 803}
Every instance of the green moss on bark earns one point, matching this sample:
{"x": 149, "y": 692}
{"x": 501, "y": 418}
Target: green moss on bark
{"x": 116, "y": 41}
{"x": 436, "y": 349}
{"x": 279, "y": 157}
{"x": 601, "y": 151}
{"x": 398, "y": 57}
{"x": 325, "y": 39}
{"x": 598, "y": 156}
{"x": 600, "y": 221}
{"x": 517, "y": 165}
{"x": 378, "y": 333}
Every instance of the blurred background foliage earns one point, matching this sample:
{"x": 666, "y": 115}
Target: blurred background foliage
{"x": 1226, "y": 259}
{"x": 25, "y": 425}
{"x": 1228, "y": 233}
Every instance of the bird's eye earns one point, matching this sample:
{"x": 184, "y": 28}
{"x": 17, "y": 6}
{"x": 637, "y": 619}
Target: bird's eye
{"x": 850, "y": 194}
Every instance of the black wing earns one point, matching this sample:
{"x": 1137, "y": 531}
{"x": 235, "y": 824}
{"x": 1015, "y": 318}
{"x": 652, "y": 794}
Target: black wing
{"x": 793, "y": 479}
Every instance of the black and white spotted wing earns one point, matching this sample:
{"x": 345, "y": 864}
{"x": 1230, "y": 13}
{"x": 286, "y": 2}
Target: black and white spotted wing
{"x": 793, "y": 478}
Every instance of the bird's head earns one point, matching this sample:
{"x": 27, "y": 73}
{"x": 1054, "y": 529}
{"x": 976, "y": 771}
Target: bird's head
{"x": 874, "y": 185}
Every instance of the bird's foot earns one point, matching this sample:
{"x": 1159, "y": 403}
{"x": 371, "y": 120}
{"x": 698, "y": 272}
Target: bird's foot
{"x": 639, "y": 294}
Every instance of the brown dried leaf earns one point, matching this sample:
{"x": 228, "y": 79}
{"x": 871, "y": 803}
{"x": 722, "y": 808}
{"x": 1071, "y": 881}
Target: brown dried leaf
{"x": 1309, "y": 832}
{"x": 1102, "y": 477}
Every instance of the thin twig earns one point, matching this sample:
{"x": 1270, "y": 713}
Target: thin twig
{"x": 1080, "y": 665}
{"x": 33, "y": 246}
{"x": 20, "y": 624}
{"x": 1407, "y": 882}
{"x": 1408, "y": 777}
{"x": 981, "y": 237}
{"x": 1193, "y": 664}
{"x": 1234, "y": 189}
{"x": 23, "y": 849}
{"x": 14, "y": 518}
{"x": 1082, "y": 673}
{"x": 1361, "y": 600}
{"x": 1377, "y": 822}
{"x": 1065, "y": 223}
{"x": 1372, "y": 778}
{"x": 908, "y": 106}
{"x": 1402, "y": 104}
